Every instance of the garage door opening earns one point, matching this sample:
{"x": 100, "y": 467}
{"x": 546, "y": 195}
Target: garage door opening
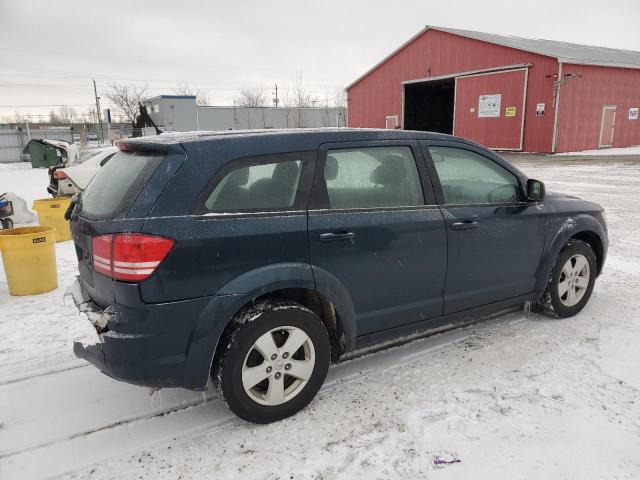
{"x": 428, "y": 106}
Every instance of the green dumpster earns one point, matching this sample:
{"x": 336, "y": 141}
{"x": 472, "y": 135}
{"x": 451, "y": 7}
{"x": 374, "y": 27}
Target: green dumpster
{"x": 43, "y": 155}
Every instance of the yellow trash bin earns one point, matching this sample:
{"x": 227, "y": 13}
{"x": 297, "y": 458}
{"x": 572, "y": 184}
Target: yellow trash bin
{"x": 29, "y": 259}
{"x": 51, "y": 214}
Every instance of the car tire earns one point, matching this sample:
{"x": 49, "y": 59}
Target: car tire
{"x": 572, "y": 280}
{"x": 7, "y": 223}
{"x": 289, "y": 348}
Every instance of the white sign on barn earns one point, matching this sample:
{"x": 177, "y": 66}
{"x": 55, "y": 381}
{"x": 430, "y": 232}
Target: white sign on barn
{"x": 489, "y": 105}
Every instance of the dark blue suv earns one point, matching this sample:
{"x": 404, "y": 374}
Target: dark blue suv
{"x": 258, "y": 258}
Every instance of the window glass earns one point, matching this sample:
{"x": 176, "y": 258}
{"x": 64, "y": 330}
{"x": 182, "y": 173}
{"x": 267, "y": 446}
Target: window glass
{"x": 257, "y": 187}
{"x": 372, "y": 177}
{"x": 469, "y": 178}
{"x": 115, "y": 184}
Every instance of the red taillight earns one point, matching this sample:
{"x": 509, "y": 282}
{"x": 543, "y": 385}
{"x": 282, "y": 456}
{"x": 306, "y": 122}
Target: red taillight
{"x": 59, "y": 175}
{"x": 129, "y": 256}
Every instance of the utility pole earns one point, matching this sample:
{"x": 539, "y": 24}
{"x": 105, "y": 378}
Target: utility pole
{"x": 95, "y": 91}
{"x": 276, "y": 101}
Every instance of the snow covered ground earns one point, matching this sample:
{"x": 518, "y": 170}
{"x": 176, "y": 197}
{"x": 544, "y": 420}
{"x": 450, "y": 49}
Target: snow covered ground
{"x": 514, "y": 397}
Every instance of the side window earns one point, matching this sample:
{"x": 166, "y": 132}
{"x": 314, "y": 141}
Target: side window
{"x": 372, "y": 177}
{"x": 469, "y": 178}
{"x": 257, "y": 187}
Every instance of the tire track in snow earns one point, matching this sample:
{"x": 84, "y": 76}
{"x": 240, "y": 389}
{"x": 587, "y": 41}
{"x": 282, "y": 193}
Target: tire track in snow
{"x": 183, "y": 415}
{"x": 43, "y": 373}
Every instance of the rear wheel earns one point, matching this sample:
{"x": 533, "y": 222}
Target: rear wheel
{"x": 7, "y": 223}
{"x": 274, "y": 362}
{"x": 572, "y": 280}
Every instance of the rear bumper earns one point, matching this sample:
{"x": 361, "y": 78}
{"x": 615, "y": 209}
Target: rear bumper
{"x": 144, "y": 344}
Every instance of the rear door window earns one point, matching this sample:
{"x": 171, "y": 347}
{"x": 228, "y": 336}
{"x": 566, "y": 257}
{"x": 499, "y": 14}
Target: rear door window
{"x": 372, "y": 177}
{"x": 269, "y": 183}
{"x": 118, "y": 183}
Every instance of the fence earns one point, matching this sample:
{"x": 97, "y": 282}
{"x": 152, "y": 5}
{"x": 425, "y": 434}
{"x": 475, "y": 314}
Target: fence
{"x": 13, "y": 141}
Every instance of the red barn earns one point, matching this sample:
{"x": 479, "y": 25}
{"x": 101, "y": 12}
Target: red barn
{"x": 505, "y": 92}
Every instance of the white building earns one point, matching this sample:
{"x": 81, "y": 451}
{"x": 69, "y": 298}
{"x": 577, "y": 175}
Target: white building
{"x": 180, "y": 113}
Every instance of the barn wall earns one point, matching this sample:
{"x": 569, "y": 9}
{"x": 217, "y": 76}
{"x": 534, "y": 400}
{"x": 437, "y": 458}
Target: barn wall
{"x": 581, "y": 102}
{"x": 380, "y": 93}
{"x": 501, "y": 132}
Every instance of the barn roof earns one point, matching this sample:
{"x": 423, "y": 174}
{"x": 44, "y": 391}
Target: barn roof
{"x": 565, "y": 52}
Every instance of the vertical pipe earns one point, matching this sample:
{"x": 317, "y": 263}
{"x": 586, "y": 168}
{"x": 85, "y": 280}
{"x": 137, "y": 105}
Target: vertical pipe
{"x": 524, "y": 106}
{"x": 556, "y": 107}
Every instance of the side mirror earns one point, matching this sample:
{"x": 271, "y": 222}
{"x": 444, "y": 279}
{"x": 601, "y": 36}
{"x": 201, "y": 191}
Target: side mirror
{"x": 535, "y": 190}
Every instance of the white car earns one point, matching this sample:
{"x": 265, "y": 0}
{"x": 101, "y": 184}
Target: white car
{"x": 73, "y": 179}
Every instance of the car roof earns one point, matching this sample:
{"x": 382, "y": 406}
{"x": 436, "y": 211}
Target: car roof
{"x": 315, "y": 135}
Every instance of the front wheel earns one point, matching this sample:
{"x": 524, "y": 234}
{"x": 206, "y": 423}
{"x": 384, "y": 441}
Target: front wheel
{"x": 7, "y": 223}
{"x": 572, "y": 280}
{"x": 274, "y": 362}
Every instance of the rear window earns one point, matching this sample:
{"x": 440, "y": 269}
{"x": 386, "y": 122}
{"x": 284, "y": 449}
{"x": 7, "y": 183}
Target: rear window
{"x": 118, "y": 183}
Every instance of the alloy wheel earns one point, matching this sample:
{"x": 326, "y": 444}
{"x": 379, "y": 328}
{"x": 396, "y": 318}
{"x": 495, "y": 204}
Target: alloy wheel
{"x": 574, "y": 280}
{"x": 278, "y": 365}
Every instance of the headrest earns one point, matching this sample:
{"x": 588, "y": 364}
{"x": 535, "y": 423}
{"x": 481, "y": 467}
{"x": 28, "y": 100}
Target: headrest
{"x": 390, "y": 171}
{"x": 286, "y": 172}
{"x": 239, "y": 177}
{"x": 330, "y": 168}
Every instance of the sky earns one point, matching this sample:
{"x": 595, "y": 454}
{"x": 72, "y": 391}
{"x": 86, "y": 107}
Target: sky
{"x": 51, "y": 50}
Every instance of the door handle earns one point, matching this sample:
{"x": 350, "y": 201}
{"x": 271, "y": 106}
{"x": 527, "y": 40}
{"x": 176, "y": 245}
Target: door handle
{"x": 334, "y": 236}
{"x": 465, "y": 225}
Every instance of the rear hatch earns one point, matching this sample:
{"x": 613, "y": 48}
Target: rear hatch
{"x": 116, "y": 201}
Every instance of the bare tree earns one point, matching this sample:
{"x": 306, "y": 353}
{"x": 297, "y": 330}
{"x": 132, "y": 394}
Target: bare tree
{"x": 126, "y": 99}
{"x": 301, "y": 99}
{"x": 89, "y": 115}
{"x": 53, "y": 117}
{"x": 251, "y": 97}
{"x": 287, "y": 105}
{"x": 66, "y": 114}
{"x": 340, "y": 102}
{"x": 326, "y": 115}
{"x": 18, "y": 117}
{"x": 202, "y": 97}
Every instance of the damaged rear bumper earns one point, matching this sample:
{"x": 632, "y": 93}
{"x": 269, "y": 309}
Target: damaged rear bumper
{"x": 143, "y": 344}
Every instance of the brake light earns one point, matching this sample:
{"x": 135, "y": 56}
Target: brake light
{"x": 131, "y": 257}
{"x": 59, "y": 175}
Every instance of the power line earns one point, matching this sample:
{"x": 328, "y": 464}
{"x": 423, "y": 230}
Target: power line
{"x": 228, "y": 84}
{"x": 47, "y": 105}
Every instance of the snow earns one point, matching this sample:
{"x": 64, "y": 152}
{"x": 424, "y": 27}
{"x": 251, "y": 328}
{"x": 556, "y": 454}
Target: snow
{"x": 519, "y": 397}
{"x": 606, "y": 152}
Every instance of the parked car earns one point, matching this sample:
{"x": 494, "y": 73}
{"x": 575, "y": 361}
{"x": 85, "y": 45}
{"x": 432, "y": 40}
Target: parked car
{"x": 67, "y": 180}
{"x": 92, "y": 136}
{"x": 76, "y": 137}
{"x": 259, "y": 258}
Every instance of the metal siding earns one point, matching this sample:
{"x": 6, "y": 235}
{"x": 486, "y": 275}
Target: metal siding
{"x": 380, "y": 93}
{"x": 582, "y": 100}
{"x": 498, "y": 132}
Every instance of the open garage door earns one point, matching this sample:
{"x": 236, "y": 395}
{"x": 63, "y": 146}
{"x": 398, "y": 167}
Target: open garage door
{"x": 428, "y": 105}
{"x": 489, "y": 108}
